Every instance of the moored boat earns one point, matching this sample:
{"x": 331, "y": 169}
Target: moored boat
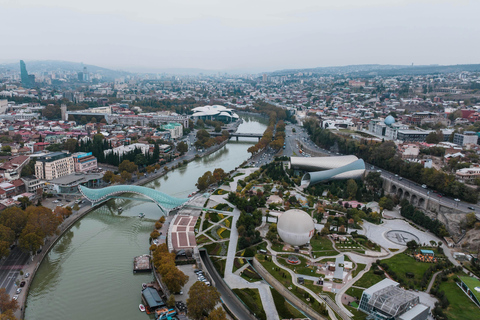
{"x": 141, "y": 307}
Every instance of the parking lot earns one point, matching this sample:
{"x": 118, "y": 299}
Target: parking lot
{"x": 192, "y": 278}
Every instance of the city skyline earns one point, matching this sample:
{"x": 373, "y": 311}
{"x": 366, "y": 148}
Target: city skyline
{"x": 248, "y": 36}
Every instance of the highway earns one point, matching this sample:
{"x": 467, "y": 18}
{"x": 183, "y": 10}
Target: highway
{"x": 301, "y": 135}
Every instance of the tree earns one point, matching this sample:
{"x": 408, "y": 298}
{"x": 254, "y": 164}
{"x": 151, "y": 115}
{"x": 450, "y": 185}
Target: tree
{"x": 386, "y": 203}
{"x": 219, "y": 174}
{"x": 128, "y": 166}
{"x": 470, "y": 219}
{"x": 6, "y": 148}
{"x": 201, "y": 300}
{"x": 108, "y": 176}
{"x": 175, "y": 279}
{"x": 434, "y": 137}
{"x": 351, "y": 189}
{"x": 6, "y": 303}
{"x": 25, "y": 202}
{"x": 126, "y": 176}
{"x": 83, "y": 120}
{"x": 70, "y": 145}
{"x": 30, "y": 242}
{"x": 14, "y": 218}
{"x": 204, "y": 181}
{"x": 412, "y": 245}
{"x": 182, "y": 147}
{"x": 171, "y": 301}
{"x": 140, "y": 159}
{"x": 93, "y": 120}
{"x": 52, "y": 112}
{"x": 217, "y": 314}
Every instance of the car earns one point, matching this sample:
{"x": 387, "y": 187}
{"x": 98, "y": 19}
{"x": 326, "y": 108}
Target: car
{"x": 471, "y": 208}
{"x": 56, "y": 201}
{"x": 456, "y": 199}
{"x": 400, "y": 178}
{"x": 27, "y": 275}
{"x": 19, "y": 290}
{"x": 379, "y": 171}
{"x": 22, "y": 284}
{"x": 439, "y": 195}
{"x": 15, "y": 297}
{"x": 424, "y": 186}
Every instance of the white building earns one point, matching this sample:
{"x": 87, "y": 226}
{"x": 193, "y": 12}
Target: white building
{"x": 124, "y": 149}
{"x": 54, "y": 165}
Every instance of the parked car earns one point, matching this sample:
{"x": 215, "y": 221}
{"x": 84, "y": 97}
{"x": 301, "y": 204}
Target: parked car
{"x": 22, "y": 284}
{"x": 471, "y": 208}
{"x": 27, "y": 275}
{"x": 19, "y": 290}
{"x": 15, "y": 297}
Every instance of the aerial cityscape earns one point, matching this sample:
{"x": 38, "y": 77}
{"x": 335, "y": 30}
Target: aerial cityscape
{"x": 212, "y": 161}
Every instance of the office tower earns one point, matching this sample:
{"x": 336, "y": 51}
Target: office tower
{"x": 24, "y": 75}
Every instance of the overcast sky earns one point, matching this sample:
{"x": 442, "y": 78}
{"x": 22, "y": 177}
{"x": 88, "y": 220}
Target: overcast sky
{"x": 241, "y": 34}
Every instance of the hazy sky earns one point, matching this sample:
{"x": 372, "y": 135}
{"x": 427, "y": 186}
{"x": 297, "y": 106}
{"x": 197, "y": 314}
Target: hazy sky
{"x": 241, "y": 34}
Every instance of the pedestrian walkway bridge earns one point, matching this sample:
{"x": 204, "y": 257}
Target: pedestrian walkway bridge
{"x": 164, "y": 201}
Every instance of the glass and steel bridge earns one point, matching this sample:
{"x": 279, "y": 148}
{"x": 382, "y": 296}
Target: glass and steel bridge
{"x": 163, "y": 200}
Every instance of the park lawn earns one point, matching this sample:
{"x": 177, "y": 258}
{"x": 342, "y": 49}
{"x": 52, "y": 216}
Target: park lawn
{"x": 360, "y": 267}
{"x": 301, "y": 268}
{"x": 203, "y": 239}
{"x": 357, "y": 315}
{"x": 238, "y": 263}
{"x": 461, "y": 307}
{"x": 401, "y": 263}
{"x": 206, "y": 225}
{"x": 278, "y": 247}
{"x": 251, "y": 298}
{"x": 321, "y": 243}
{"x": 369, "y": 279}
{"x": 225, "y": 234}
{"x": 284, "y": 308}
{"x": 250, "y": 275}
{"x": 219, "y": 264}
{"x": 355, "y": 292}
{"x": 328, "y": 253}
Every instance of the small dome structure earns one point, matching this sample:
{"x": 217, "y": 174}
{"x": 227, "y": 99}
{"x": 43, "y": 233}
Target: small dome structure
{"x": 389, "y": 120}
{"x": 295, "y": 227}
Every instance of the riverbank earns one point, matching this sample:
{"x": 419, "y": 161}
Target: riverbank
{"x": 36, "y": 260}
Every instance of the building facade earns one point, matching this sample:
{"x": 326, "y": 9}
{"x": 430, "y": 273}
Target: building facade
{"x": 84, "y": 161}
{"x": 175, "y": 129}
{"x": 468, "y": 137}
{"x": 54, "y": 165}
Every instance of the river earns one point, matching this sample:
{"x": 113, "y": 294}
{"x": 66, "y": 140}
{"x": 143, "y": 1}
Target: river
{"x": 88, "y": 273}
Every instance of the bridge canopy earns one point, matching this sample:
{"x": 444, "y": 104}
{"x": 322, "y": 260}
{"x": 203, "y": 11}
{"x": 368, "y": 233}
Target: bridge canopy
{"x": 163, "y": 200}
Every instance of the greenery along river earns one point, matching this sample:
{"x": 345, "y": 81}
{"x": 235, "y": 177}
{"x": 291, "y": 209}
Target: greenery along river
{"x": 88, "y": 273}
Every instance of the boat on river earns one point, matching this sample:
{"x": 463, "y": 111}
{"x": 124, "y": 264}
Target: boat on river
{"x": 141, "y": 307}
{"x": 120, "y": 209}
{"x": 141, "y": 215}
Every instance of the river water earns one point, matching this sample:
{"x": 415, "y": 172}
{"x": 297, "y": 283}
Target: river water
{"x": 88, "y": 273}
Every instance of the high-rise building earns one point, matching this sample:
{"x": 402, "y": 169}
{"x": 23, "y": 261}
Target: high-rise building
{"x": 86, "y": 75}
{"x": 54, "y": 165}
{"x": 26, "y": 80}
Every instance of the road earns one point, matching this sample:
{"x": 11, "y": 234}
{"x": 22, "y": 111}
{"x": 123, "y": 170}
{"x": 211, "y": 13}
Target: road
{"x": 227, "y": 295}
{"x": 10, "y": 268}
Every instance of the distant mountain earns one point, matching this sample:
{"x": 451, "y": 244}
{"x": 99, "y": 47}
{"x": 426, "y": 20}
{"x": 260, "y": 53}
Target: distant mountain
{"x": 63, "y": 66}
{"x": 371, "y": 70}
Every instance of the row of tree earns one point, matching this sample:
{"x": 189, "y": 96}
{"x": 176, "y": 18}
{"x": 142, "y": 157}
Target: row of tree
{"x": 30, "y": 227}
{"x": 209, "y": 178}
{"x": 433, "y": 225}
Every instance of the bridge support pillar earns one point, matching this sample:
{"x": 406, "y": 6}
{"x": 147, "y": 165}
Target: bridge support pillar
{"x": 237, "y": 138}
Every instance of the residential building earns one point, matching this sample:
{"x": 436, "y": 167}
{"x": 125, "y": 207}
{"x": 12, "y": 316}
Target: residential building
{"x": 468, "y": 137}
{"x": 468, "y": 175}
{"x": 54, "y": 165}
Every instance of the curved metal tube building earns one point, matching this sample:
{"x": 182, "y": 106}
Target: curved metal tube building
{"x": 321, "y": 163}
{"x": 353, "y": 170}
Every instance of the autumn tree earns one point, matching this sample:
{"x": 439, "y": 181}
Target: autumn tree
{"x": 6, "y": 303}
{"x": 217, "y": 314}
{"x": 7, "y": 236}
{"x": 128, "y": 166}
{"x": 201, "y": 300}
{"x": 126, "y": 176}
{"x": 204, "y": 181}
{"x": 175, "y": 279}
{"x": 108, "y": 176}
{"x": 8, "y": 315}
{"x": 24, "y": 202}
{"x": 14, "y": 218}
{"x": 219, "y": 174}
